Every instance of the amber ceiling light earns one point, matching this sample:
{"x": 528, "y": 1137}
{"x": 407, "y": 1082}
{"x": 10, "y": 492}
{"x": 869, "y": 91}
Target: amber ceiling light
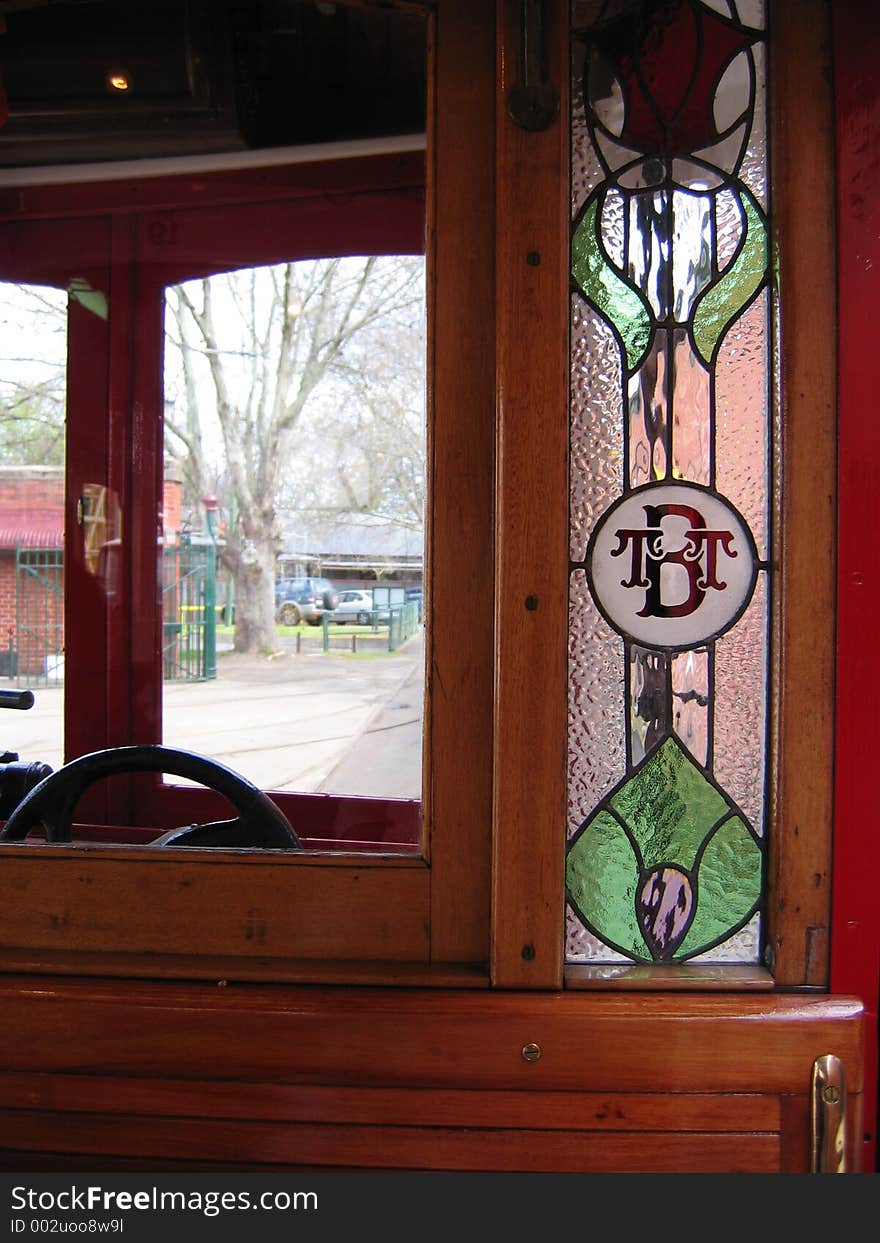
{"x": 118, "y": 81}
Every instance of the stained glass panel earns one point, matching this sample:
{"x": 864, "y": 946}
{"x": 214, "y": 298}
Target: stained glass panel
{"x": 669, "y": 604}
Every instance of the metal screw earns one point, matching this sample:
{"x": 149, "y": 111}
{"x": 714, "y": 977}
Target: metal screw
{"x": 528, "y": 952}
{"x": 533, "y": 258}
{"x": 531, "y": 603}
{"x": 830, "y": 1094}
{"x": 531, "y": 1052}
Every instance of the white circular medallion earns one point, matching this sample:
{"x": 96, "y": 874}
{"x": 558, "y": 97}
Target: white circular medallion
{"x": 671, "y": 565}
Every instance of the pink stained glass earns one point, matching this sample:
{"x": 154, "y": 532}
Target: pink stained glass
{"x": 690, "y": 702}
{"x": 742, "y": 378}
{"x": 691, "y": 404}
{"x": 740, "y": 708}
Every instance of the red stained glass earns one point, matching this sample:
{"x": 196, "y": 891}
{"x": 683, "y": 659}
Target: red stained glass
{"x": 668, "y": 57}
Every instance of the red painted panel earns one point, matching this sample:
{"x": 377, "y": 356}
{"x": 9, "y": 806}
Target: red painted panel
{"x": 856, "y": 913}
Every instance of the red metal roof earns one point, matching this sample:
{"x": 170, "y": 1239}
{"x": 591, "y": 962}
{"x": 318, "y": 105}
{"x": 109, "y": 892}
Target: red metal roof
{"x": 31, "y": 528}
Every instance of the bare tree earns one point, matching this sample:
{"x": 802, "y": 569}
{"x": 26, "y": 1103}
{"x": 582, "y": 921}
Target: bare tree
{"x": 369, "y": 442}
{"x": 33, "y": 331}
{"x": 254, "y": 350}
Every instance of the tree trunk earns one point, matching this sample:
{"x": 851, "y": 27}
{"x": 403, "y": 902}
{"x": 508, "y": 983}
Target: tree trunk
{"x": 255, "y": 598}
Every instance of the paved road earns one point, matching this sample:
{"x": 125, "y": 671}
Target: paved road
{"x": 309, "y": 722}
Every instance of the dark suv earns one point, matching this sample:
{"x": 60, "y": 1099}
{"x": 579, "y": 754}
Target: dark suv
{"x": 304, "y": 599}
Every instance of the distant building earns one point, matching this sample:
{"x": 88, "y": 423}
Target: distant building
{"x": 352, "y": 547}
{"x": 31, "y": 572}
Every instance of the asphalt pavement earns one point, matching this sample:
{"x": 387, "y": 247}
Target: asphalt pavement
{"x": 337, "y": 722}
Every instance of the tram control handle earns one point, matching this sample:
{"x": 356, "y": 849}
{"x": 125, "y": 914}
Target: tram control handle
{"x": 17, "y": 699}
{"x": 17, "y": 777}
{"x": 32, "y": 794}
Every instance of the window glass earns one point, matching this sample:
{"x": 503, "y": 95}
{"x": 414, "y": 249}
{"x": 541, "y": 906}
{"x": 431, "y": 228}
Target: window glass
{"x": 670, "y": 492}
{"x": 292, "y": 535}
{"x": 33, "y": 378}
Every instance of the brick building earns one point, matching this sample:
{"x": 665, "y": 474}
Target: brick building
{"x": 31, "y": 572}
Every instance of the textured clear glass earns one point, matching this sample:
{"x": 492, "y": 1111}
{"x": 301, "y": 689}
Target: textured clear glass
{"x": 586, "y": 168}
{"x": 649, "y": 223}
{"x": 728, "y": 226}
{"x": 741, "y": 419}
{"x": 743, "y": 946}
{"x": 730, "y": 294}
{"x": 596, "y": 430}
{"x": 613, "y": 227}
{"x": 740, "y": 709}
{"x": 583, "y": 946}
{"x": 754, "y": 166}
{"x": 648, "y": 705}
{"x": 648, "y": 415}
{"x": 691, "y": 250}
{"x": 690, "y": 702}
{"x": 596, "y": 741}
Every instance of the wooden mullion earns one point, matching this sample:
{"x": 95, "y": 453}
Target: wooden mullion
{"x": 531, "y": 523}
{"x": 804, "y": 556}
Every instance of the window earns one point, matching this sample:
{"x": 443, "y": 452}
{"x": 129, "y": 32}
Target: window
{"x": 671, "y": 457}
{"x": 483, "y": 899}
{"x": 271, "y": 913}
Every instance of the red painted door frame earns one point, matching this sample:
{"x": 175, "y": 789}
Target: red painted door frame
{"x": 855, "y": 951}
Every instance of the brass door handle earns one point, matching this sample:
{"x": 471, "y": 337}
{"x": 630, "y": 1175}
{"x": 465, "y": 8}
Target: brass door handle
{"x": 828, "y": 1116}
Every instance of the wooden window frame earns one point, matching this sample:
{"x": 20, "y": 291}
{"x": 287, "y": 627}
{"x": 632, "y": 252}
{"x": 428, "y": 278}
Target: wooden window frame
{"x": 531, "y": 674}
{"x": 485, "y": 904}
{"x": 331, "y": 916}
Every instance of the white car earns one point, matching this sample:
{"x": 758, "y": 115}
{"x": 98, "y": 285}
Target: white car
{"x": 356, "y": 606}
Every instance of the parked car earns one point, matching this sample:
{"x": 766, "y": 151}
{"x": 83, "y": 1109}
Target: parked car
{"x": 357, "y": 606}
{"x": 304, "y": 599}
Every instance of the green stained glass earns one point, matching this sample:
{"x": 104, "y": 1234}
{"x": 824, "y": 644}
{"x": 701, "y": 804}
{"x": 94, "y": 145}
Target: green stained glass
{"x": 620, "y": 303}
{"x": 669, "y": 807}
{"x": 602, "y": 875}
{"x": 686, "y": 848}
{"x": 723, "y": 301}
{"x": 729, "y": 879}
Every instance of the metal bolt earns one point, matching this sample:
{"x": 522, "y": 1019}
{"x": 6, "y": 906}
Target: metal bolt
{"x": 531, "y": 1052}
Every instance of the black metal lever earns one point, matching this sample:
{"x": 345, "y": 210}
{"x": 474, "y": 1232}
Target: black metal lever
{"x": 17, "y": 699}
{"x": 532, "y": 103}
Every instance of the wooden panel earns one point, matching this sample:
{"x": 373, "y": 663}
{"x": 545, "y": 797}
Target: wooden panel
{"x": 800, "y": 842}
{"x": 532, "y": 525}
{"x": 459, "y": 634}
{"x": 93, "y": 899}
{"x": 413, "y": 1078}
{"x": 433, "y": 1038}
{"x": 555, "y": 1111}
{"x": 378, "y": 1147}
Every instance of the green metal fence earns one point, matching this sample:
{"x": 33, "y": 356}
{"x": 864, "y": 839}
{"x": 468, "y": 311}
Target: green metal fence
{"x": 188, "y": 614}
{"x": 36, "y": 651}
{"x": 402, "y": 624}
